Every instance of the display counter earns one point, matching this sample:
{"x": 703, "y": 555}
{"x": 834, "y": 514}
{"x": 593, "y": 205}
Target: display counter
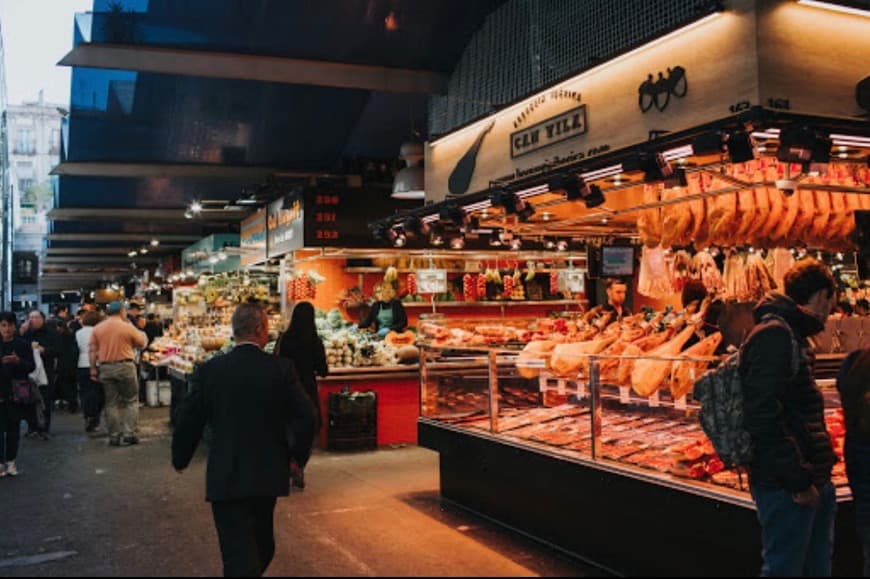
{"x": 579, "y": 461}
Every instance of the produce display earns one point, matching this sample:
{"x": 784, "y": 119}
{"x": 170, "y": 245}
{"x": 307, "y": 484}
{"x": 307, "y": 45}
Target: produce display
{"x": 348, "y": 346}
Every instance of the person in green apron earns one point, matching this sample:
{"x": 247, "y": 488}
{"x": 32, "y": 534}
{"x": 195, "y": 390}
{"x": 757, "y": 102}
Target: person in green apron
{"x": 388, "y": 313}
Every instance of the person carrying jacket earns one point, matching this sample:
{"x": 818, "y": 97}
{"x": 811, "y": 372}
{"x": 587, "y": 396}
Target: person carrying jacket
{"x": 37, "y": 332}
{"x": 853, "y": 383}
{"x": 790, "y": 472}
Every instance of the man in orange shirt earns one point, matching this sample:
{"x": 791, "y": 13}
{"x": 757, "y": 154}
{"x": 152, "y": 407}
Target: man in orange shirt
{"x": 111, "y": 345}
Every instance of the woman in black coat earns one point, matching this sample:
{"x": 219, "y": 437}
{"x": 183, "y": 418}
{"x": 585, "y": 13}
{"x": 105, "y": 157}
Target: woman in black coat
{"x": 301, "y": 344}
{"x": 16, "y": 362}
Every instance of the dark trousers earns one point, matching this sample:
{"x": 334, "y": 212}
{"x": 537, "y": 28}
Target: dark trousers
{"x": 246, "y": 534}
{"x": 10, "y": 421}
{"x": 33, "y": 425}
{"x": 92, "y": 396}
{"x": 303, "y": 438}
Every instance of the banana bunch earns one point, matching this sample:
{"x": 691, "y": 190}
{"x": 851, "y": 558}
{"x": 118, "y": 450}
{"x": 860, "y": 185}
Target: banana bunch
{"x": 492, "y": 276}
{"x": 530, "y": 273}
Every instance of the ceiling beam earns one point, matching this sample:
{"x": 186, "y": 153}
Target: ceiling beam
{"x": 103, "y": 259}
{"x": 138, "y": 214}
{"x": 201, "y": 63}
{"x": 122, "y": 237}
{"x": 162, "y": 248}
{"x": 168, "y": 170}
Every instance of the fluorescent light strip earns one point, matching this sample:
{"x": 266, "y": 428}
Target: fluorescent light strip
{"x": 678, "y": 153}
{"x": 765, "y": 135}
{"x": 851, "y": 138}
{"x": 835, "y": 7}
{"x": 430, "y": 219}
{"x": 478, "y": 206}
{"x": 526, "y": 193}
{"x": 517, "y": 106}
{"x": 857, "y": 144}
{"x": 602, "y": 173}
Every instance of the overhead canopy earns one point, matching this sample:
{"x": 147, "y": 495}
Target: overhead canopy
{"x": 204, "y": 100}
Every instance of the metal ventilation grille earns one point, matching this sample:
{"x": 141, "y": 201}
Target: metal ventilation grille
{"x": 527, "y": 45}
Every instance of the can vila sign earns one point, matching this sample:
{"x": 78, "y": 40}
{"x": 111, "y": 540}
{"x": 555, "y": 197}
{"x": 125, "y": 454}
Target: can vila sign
{"x": 548, "y": 132}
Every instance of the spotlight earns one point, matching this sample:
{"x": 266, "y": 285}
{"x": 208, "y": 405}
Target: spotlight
{"x": 562, "y": 245}
{"x": 472, "y": 223}
{"x": 549, "y": 244}
{"x": 801, "y": 144}
{"x": 511, "y": 203}
{"x": 400, "y": 239}
{"x": 188, "y": 214}
{"x": 516, "y": 244}
{"x": 452, "y": 213}
{"x": 132, "y": 253}
{"x": 708, "y": 143}
{"x": 457, "y": 242}
{"x": 494, "y": 239}
{"x": 655, "y": 167}
{"x": 573, "y": 186}
{"x": 155, "y": 242}
{"x": 678, "y": 179}
{"x": 414, "y": 226}
{"x": 594, "y": 198}
{"x": 143, "y": 251}
{"x": 436, "y": 239}
{"x": 526, "y": 212}
{"x": 741, "y": 147}
{"x": 196, "y": 207}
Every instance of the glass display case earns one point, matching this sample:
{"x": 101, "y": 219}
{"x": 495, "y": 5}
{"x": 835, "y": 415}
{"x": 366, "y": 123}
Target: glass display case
{"x": 585, "y": 407}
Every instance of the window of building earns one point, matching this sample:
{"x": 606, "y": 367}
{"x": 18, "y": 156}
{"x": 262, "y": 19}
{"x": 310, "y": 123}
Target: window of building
{"x": 55, "y": 140}
{"x": 25, "y": 143}
{"x": 25, "y": 184}
{"x": 28, "y": 219}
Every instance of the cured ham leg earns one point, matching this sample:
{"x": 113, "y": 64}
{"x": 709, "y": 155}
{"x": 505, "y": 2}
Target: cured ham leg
{"x": 820, "y": 231}
{"x": 684, "y": 374}
{"x": 747, "y": 210}
{"x": 676, "y": 219}
{"x": 648, "y": 375}
{"x": 699, "y": 183}
{"x": 776, "y": 204}
{"x": 649, "y": 222}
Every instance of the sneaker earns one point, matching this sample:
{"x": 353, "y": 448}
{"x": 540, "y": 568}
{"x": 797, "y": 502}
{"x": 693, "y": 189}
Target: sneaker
{"x": 131, "y": 440}
{"x": 2, "y": 470}
{"x": 11, "y": 470}
{"x": 115, "y": 441}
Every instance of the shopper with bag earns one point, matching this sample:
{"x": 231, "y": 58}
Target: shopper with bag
{"x": 44, "y": 338}
{"x": 16, "y": 392}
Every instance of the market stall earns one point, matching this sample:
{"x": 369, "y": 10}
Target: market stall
{"x": 581, "y": 429}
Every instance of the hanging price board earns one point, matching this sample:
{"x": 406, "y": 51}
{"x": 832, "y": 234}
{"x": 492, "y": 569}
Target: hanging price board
{"x": 573, "y": 281}
{"x": 431, "y": 281}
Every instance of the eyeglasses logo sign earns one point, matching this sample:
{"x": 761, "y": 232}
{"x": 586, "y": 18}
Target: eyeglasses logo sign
{"x": 657, "y": 93}
{"x": 460, "y": 178}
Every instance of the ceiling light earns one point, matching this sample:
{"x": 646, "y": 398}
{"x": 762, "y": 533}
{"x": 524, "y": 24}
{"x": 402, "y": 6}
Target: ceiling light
{"x": 196, "y": 207}
{"x": 549, "y": 244}
{"x": 188, "y": 214}
{"x": 213, "y": 259}
{"x": 400, "y": 239}
{"x": 457, "y": 242}
{"x": 452, "y": 213}
{"x": 562, "y": 245}
{"x": 143, "y": 251}
{"x": 655, "y": 167}
{"x": 546, "y": 216}
{"x": 413, "y": 226}
{"x": 132, "y": 253}
{"x": 516, "y": 244}
{"x": 222, "y": 256}
{"x": 155, "y": 242}
{"x": 436, "y": 239}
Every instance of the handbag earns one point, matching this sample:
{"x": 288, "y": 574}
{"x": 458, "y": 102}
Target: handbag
{"x": 24, "y": 391}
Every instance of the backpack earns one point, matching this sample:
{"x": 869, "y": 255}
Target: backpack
{"x": 720, "y": 394}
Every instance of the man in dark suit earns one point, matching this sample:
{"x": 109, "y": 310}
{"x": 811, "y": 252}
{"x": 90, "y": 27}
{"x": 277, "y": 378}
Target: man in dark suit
{"x": 253, "y": 403}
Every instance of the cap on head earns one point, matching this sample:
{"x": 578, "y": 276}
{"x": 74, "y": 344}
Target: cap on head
{"x": 114, "y": 308}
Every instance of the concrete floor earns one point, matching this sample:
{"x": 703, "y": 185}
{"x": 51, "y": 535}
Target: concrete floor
{"x": 81, "y": 508}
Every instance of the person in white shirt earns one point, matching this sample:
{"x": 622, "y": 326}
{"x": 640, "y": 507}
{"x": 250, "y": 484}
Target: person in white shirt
{"x": 91, "y": 392}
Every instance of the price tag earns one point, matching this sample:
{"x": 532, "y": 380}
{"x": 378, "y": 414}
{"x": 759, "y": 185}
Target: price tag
{"x": 431, "y": 281}
{"x": 654, "y": 400}
{"x": 624, "y": 394}
{"x": 680, "y": 403}
{"x": 573, "y": 281}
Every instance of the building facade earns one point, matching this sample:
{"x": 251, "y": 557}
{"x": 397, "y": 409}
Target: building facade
{"x": 34, "y": 136}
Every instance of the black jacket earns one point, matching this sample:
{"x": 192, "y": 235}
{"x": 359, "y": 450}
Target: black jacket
{"x": 400, "y": 318}
{"x": 309, "y": 360}
{"x": 50, "y": 341}
{"x": 784, "y": 413}
{"x": 8, "y": 372}
{"x": 252, "y": 402}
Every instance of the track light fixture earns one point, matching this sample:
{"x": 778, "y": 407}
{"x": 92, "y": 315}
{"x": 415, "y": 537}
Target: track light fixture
{"x": 741, "y": 147}
{"x": 414, "y": 226}
{"x": 196, "y": 207}
{"x": 655, "y": 167}
{"x": 516, "y": 244}
{"x": 708, "y": 143}
{"x": 678, "y": 179}
{"x": 454, "y": 214}
{"x": 457, "y": 242}
{"x": 801, "y": 144}
{"x": 188, "y": 214}
{"x": 526, "y": 212}
{"x": 511, "y": 203}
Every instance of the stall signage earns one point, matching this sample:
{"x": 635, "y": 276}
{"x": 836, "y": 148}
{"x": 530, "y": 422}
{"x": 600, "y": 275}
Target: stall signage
{"x": 549, "y": 132}
{"x": 285, "y": 226}
{"x": 431, "y": 281}
{"x": 658, "y": 93}
{"x": 253, "y": 238}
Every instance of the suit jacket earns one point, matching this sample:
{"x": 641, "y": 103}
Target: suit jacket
{"x": 253, "y": 403}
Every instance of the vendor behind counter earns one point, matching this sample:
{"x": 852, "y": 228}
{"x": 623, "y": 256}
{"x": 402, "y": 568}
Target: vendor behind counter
{"x": 388, "y": 313}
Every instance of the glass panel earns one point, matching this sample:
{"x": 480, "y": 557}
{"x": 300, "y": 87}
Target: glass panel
{"x": 455, "y": 387}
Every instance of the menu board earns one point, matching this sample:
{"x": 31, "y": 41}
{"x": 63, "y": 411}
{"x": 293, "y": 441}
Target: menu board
{"x": 340, "y": 217}
{"x": 253, "y": 238}
{"x": 617, "y": 261}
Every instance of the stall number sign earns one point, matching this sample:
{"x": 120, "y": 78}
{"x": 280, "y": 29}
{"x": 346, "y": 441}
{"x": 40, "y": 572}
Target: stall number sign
{"x": 572, "y": 281}
{"x": 431, "y": 281}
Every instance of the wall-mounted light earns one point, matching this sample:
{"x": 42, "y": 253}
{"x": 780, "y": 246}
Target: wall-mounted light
{"x": 155, "y": 242}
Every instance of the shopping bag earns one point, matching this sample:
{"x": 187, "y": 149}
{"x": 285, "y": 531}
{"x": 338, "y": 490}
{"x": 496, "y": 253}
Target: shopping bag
{"x": 38, "y": 375}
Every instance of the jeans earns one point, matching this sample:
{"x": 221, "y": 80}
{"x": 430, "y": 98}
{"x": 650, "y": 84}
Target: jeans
{"x": 122, "y": 398}
{"x": 10, "y": 421}
{"x": 91, "y": 393}
{"x": 246, "y": 534}
{"x": 797, "y": 541}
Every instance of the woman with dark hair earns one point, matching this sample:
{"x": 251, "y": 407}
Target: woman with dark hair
{"x": 301, "y": 344}
{"x": 16, "y": 362}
